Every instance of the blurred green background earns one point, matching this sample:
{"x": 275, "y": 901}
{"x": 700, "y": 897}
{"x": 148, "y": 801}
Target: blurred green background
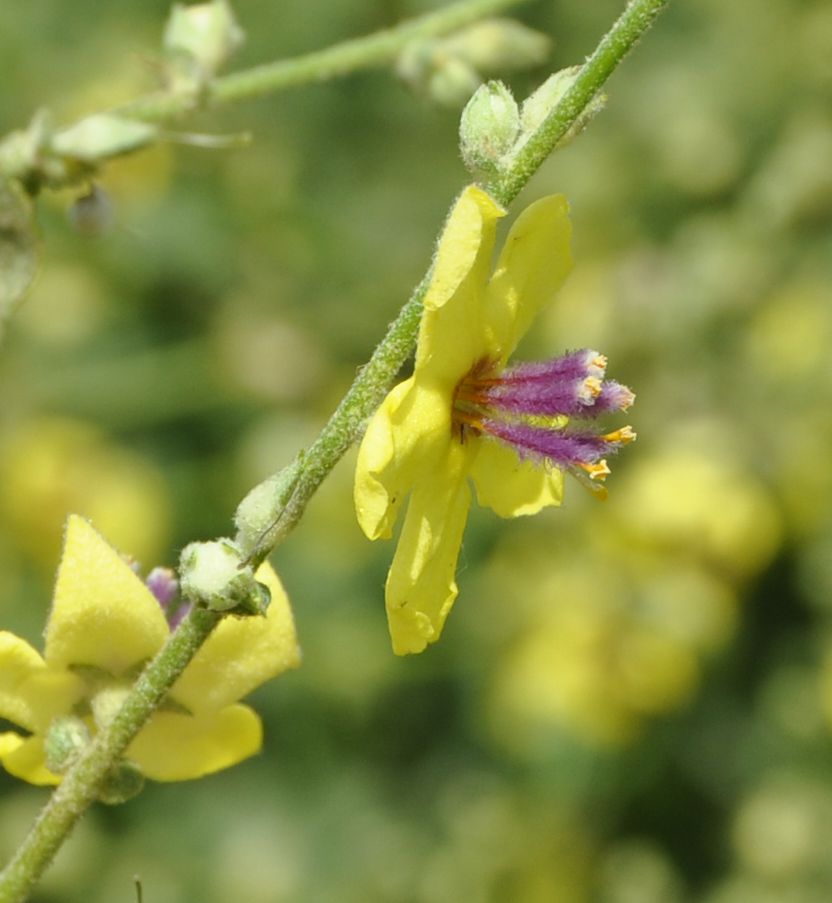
{"x": 632, "y": 702}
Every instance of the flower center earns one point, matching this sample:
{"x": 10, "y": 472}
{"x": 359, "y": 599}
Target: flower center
{"x": 534, "y": 406}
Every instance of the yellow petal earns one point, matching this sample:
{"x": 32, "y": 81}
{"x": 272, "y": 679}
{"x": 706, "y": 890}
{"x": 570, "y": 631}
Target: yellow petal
{"x": 421, "y": 585}
{"x": 470, "y": 224}
{"x": 177, "y": 747}
{"x": 102, "y": 613}
{"x": 30, "y": 693}
{"x": 406, "y": 437}
{"x": 534, "y": 263}
{"x": 241, "y": 654}
{"x": 511, "y": 487}
{"x": 25, "y": 760}
{"x": 451, "y": 337}
{"x": 9, "y": 742}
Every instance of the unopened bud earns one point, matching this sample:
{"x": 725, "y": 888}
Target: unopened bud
{"x": 448, "y": 70}
{"x": 259, "y": 513}
{"x": 540, "y": 104}
{"x": 123, "y": 783}
{"x": 65, "y": 739}
{"x": 498, "y": 45}
{"x": 214, "y": 575}
{"x": 429, "y": 69}
{"x": 198, "y": 41}
{"x": 488, "y": 128}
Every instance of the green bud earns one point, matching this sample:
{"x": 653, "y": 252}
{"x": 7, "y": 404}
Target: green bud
{"x": 123, "y": 783}
{"x": 102, "y": 136}
{"x": 107, "y": 701}
{"x": 488, "y": 128}
{"x": 259, "y": 512}
{"x": 448, "y": 70}
{"x": 214, "y": 575}
{"x": 428, "y": 69}
{"x": 540, "y": 104}
{"x": 498, "y": 45}
{"x": 66, "y": 738}
{"x": 198, "y": 40}
{"x": 452, "y": 83}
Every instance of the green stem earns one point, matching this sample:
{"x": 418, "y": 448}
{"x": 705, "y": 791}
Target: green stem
{"x": 79, "y": 788}
{"x": 368, "y": 52}
{"x": 635, "y": 21}
{"x": 371, "y": 385}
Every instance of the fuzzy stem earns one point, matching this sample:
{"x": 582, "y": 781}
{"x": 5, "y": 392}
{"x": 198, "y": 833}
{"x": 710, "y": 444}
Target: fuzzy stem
{"x": 378, "y": 49}
{"x": 80, "y": 785}
{"x": 372, "y": 383}
{"x": 635, "y": 21}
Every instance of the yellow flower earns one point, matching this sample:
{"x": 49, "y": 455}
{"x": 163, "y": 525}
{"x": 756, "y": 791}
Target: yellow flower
{"x": 104, "y": 625}
{"x": 463, "y": 414}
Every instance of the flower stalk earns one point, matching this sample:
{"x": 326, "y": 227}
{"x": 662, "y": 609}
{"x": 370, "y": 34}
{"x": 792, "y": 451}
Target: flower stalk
{"x": 82, "y": 782}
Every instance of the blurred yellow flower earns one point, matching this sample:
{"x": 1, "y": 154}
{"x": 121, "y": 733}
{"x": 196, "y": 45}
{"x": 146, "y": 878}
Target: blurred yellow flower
{"x": 464, "y": 414}
{"x": 104, "y": 625}
{"x": 51, "y": 466}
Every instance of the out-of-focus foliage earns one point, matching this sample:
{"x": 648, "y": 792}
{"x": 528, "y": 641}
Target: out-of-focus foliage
{"x": 632, "y": 701}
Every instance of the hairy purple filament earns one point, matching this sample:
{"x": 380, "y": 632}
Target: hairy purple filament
{"x": 529, "y": 407}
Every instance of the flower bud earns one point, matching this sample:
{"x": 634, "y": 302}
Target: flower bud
{"x": 259, "y": 512}
{"x": 198, "y": 40}
{"x": 442, "y": 77}
{"x": 498, "y": 45}
{"x": 213, "y": 574}
{"x": 123, "y": 783}
{"x": 488, "y": 128}
{"x": 541, "y": 102}
{"x": 449, "y": 70}
{"x": 65, "y": 739}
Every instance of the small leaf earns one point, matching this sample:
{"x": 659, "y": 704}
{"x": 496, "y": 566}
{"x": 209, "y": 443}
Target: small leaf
{"x": 18, "y": 248}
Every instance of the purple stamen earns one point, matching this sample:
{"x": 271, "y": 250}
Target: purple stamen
{"x": 573, "y": 365}
{"x": 612, "y": 397}
{"x": 561, "y": 447}
{"x": 509, "y": 405}
{"x": 548, "y": 398}
{"x": 163, "y": 584}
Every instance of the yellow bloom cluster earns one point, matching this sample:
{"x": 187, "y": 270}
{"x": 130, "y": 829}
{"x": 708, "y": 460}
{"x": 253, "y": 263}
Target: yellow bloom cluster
{"x": 105, "y": 624}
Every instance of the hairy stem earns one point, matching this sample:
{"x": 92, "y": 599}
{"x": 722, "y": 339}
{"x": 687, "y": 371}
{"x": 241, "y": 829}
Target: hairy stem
{"x": 371, "y": 385}
{"x": 636, "y": 19}
{"x": 80, "y": 785}
{"x": 368, "y": 52}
